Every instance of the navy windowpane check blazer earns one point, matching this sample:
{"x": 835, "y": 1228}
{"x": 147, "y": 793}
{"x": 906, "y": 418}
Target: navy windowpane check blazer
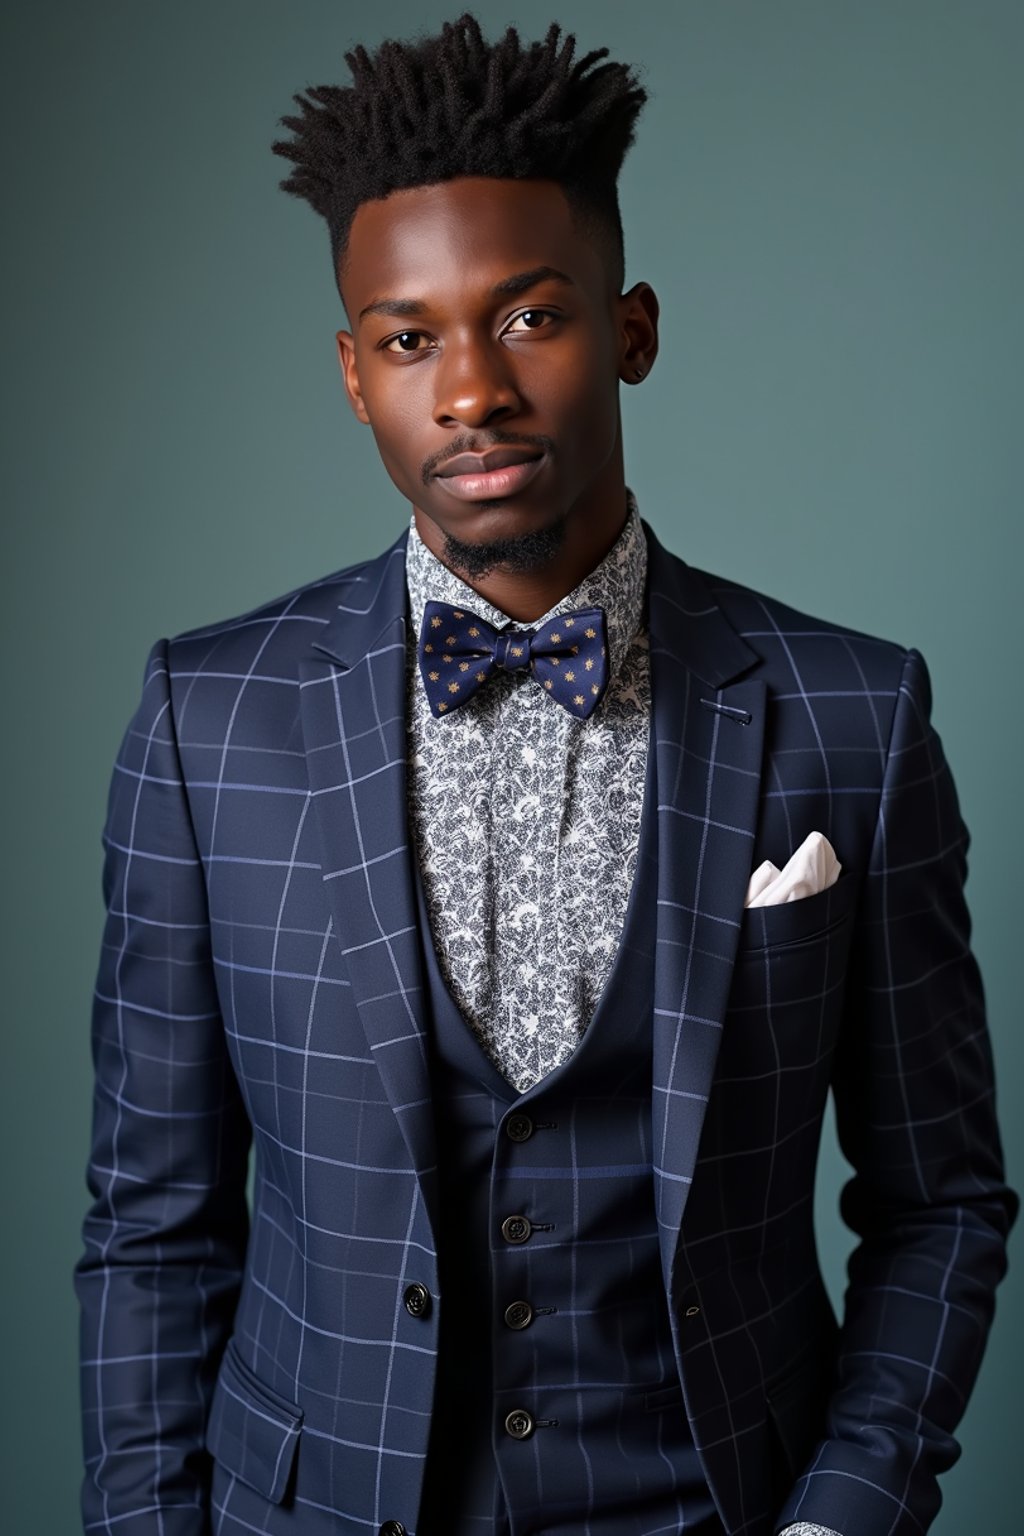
{"x": 260, "y": 981}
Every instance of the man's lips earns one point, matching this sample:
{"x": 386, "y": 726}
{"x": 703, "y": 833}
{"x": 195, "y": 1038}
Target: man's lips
{"x": 489, "y": 476}
{"x": 483, "y": 463}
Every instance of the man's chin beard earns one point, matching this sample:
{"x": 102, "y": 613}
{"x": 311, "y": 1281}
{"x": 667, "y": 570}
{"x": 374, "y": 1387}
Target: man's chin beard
{"x": 526, "y": 553}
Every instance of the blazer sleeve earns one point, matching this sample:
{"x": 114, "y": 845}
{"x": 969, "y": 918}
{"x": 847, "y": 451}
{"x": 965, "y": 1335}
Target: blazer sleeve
{"x": 166, "y": 1233}
{"x": 915, "y": 1109}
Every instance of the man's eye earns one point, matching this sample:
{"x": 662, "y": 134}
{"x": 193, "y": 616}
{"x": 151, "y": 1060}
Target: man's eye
{"x": 405, "y": 341}
{"x": 530, "y": 320}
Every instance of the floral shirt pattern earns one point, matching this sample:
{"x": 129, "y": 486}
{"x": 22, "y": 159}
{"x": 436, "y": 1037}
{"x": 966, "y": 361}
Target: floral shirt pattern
{"x": 526, "y": 821}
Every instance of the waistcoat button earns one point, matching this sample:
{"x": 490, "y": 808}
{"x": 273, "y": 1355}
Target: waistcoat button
{"x": 515, "y": 1229}
{"x": 519, "y": 1424}
{"x": 392, "y": 1528}
{"x": 518, "y": 1127}
{"x": 519, "y": 1314}
{"x": 417, "y": 1302}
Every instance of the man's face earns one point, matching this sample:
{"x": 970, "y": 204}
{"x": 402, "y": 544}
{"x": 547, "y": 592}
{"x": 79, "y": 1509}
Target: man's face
{"x": 484, "y": 324}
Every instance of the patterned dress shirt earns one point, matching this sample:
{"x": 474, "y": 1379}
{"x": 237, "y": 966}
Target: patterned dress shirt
{"x": 521, "y": 815}
{"x": 526, "y": 820}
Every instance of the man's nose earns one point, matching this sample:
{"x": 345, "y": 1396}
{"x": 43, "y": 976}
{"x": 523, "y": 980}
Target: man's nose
{"x": 475, "y": 385}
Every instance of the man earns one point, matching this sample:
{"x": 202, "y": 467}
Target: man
{"x": 441, "y": 881}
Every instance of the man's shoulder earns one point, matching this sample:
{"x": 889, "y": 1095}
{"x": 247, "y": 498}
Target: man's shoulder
{"x": 756, "y": 613}
{"x": 797, "y": 647}
{"x": 281, "y": 629}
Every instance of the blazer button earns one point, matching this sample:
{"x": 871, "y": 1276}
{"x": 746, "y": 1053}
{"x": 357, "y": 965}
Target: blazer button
{"x": 392, "y": 1528}
{"x": 519, "y": 1424}
{"x": 518, "y": 1127}
{"x": 519, "y": 1314}
{"x": 417, "y": 1302}
{"x": 515, "y": 1229}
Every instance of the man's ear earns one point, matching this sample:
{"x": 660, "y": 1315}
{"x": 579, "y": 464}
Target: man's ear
{"x": 638, "y": 331}
{"x": 350, "y": 375}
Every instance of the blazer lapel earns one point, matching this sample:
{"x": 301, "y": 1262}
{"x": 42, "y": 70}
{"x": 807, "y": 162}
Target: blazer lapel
{"x": 709, "y": 730}
{"x": 353, "y": 720}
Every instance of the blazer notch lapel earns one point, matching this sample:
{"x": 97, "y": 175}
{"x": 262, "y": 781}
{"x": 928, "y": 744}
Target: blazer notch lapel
{"x": 373, "y": 600}
{"x": 354, "y": 727}
{"x": 709, "y": 732}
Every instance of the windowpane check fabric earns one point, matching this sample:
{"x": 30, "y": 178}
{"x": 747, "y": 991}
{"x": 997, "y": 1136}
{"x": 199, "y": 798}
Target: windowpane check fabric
{"x": 526, "y": 820}
{"x": 261, "y": 972}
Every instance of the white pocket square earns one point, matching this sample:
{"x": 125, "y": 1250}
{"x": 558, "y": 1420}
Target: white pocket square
{"x": 813, "y": 868}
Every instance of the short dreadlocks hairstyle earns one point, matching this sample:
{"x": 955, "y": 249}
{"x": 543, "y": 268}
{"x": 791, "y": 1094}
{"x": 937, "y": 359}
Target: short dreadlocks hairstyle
{"x": 427, "y": 111}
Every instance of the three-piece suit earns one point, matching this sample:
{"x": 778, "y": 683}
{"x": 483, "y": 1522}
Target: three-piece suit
{"x": 266, "y": 977}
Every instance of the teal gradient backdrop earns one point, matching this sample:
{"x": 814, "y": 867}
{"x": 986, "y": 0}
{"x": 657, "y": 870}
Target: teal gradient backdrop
{"x": 827, "y": 198}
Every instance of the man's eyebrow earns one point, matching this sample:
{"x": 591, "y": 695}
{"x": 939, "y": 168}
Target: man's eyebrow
{"x": 401, "y": 308}
{"x": 518, "y": 282}
{"x": 521, "y": 282}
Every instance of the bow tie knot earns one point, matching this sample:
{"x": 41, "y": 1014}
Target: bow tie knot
{"x": 567, "y": 656}
{"x": 510, "y": 655}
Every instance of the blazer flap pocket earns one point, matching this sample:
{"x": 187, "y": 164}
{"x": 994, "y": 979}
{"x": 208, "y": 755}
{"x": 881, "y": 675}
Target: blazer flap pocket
{"x": 798, "y": 922}
{"x": 252, "y": 1431}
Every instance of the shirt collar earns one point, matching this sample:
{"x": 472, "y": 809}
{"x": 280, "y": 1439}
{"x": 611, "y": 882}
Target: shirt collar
{"x": 616, "y": 585}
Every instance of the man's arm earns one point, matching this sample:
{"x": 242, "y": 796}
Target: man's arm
{"x": 916, "y": 1119}
{"x": 165, "y": 1236}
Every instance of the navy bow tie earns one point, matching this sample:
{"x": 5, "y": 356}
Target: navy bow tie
{"x": 567, "y": 656}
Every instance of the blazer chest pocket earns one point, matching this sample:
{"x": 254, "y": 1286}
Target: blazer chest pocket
{"x": 252, "y": 1431}
{"x": 787, "y": 988}
{"x": 796, "y": 923}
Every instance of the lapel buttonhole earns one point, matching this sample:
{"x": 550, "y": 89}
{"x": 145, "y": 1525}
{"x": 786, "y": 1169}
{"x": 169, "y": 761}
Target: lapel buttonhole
{"x": 740, "y": 716}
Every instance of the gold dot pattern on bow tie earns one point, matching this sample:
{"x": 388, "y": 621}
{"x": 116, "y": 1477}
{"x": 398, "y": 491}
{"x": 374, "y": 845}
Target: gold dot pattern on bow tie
{"x": 442, "y": 707}
{"x": 468, "y": 640}
{"x": 428, "y": 648}
{"x": 569, "y": 623}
